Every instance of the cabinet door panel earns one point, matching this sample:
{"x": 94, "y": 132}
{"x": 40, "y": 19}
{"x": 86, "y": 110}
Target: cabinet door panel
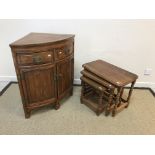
{"x": 39, "y": 84}
{"x": 64, "y": 74}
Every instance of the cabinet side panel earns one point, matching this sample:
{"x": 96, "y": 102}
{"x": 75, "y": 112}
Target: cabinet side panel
{"x": 18, "y": 74}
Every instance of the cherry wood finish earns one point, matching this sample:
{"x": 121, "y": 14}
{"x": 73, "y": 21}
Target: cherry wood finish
{"x": 44, "y": 66}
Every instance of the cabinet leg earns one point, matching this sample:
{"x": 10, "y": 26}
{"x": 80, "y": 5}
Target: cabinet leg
{"x": 57, "y": 106}
{"x": 71, "y": 92}
{"x": 27, "y": 114}
{"x": 81, "y": 100}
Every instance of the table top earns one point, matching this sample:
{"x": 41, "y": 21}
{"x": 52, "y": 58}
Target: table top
{"x": 111, "y": 73}
{"x": 40, "y": 38}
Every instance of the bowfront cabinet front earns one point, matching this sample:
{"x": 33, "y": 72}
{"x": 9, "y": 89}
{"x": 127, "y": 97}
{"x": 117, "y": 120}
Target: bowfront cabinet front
{"x": 39, "y": 85}
{"x": 44, "y": 66}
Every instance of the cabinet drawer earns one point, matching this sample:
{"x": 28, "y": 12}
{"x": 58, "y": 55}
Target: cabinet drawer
{"x": 63, "y": 51}
{"x": 35, "y": 58}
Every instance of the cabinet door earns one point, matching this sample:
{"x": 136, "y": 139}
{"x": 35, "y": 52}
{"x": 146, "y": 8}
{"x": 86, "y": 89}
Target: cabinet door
{"x": 39, "y": 85}
{"x": 64, "y": 75}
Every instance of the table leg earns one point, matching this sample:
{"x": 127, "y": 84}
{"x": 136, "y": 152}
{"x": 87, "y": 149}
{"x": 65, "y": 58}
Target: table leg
{"x": 117, "y": 101}
{"x": 120, "y": 99}
{"x": 130, "y": 92}
{"x": 109, "y": 102}
{"x": 100, "y": 105}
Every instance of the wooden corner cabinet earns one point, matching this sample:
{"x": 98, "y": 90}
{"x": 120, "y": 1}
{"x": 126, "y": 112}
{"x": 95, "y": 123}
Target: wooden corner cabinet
{"x": 44, "y": 66}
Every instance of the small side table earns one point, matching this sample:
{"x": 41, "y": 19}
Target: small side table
{"x": 117, "y": 77}
{"x": 92, "y": 94}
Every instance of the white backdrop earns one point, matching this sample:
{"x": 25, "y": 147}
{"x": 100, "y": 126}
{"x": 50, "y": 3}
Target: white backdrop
{"x": 129, "y": 44}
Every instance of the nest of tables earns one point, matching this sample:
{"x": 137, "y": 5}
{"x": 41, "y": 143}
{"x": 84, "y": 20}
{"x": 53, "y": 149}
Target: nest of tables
{"x": 103, "y": 86}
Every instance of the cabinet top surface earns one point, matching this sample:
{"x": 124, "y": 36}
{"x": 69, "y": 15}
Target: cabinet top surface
{"x": 40, "y": 38}
{"x": 110, "y": 73}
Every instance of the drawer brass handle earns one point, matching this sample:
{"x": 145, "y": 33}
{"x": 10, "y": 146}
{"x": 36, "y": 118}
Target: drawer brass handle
{"x": 37, "y": 59}
{"x": 60, "y": 52}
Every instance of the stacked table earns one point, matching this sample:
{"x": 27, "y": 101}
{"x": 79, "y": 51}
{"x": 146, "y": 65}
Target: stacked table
{"x": 103, "y": 86}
